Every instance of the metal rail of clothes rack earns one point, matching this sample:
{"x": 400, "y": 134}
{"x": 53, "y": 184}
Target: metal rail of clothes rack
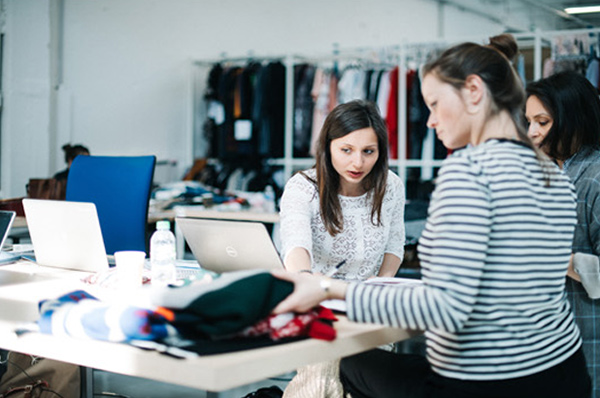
{"x": 405, "y": 55}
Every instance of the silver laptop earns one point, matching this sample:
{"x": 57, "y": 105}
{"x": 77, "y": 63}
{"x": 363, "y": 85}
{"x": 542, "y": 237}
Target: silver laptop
{"x": 66, "y": 234}
{"x": 6, "y": 221}
{"x": 223, "y": 246}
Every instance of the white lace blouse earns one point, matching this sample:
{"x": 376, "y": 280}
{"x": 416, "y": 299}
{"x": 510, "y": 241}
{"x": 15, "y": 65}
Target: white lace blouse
{"x": 361, "y": 243}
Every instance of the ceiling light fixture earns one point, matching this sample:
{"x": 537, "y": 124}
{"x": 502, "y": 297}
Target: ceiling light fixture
{"x": 582, "y": 10}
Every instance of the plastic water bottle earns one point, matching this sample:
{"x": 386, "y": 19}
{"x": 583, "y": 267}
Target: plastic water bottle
{"x": 269, "y": 194}
{"x": 162, "y": 254}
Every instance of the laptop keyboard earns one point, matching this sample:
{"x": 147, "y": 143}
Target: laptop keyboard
{"x": 186, "y": 272}
{"x": 183, "y": 268}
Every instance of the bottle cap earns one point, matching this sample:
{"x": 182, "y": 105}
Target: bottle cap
{"x": 163, "y": 224}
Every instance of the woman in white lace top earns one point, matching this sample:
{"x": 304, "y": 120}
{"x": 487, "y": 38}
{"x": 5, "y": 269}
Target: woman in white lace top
{"x": 349, "y": 208}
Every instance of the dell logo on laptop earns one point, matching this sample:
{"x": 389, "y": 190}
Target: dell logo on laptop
{"x": 231, "y": 252}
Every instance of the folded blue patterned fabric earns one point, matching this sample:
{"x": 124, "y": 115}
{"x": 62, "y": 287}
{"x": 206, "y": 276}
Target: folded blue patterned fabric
{"x": 81, "y": 315}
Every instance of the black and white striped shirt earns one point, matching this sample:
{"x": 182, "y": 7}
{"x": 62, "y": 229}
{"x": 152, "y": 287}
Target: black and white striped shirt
{"x": 494, "y": 256}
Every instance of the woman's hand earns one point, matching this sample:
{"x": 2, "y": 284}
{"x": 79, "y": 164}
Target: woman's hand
{"x": 308, "y": 292}
{"x": 571, "y": 270}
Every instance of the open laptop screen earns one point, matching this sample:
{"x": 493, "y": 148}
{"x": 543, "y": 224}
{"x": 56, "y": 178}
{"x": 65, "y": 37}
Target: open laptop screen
{"x": 66, "y": 234}
{"x": 223, "y": 245}
{"x": 6, "y": 220}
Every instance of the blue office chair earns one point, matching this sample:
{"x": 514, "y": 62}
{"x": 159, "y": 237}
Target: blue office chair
{"x": 120, "y": 187}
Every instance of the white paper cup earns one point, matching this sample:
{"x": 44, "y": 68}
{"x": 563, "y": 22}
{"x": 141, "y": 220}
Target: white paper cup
{"x": 130, "y": 267}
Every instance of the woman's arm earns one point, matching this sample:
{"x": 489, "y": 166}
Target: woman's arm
{"x": 588, "y": 237}
{"x": 297, "y": 260}
{"x": 571, "y": 271}
{"x": 394, "y": 250}
{"x": 295, "y": 222}
{"x": 309, "y": 291}
{"x": 390, "y": 265}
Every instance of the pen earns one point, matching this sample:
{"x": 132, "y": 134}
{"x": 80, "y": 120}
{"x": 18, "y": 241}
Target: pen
{"x": 335, "y": 269}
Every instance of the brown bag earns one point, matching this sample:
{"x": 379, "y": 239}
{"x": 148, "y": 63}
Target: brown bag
{"x": 46, "y": 188}
{"x": 32, "y": 377}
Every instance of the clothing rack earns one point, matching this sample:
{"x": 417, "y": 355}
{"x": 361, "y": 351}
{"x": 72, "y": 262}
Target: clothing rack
{"x": 405, "y": 56}
{"x": 288, "y": 162}
{"x": 238, "y": 60}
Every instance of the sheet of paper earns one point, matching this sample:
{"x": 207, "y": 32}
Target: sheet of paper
{"x": 387, "y": 281}
{"x": 335, "y": 305}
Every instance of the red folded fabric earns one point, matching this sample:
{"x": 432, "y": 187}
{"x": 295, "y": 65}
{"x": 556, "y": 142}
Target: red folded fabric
{"x": 315, "y": 323}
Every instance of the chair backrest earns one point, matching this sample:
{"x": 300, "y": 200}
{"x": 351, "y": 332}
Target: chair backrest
{"x": 120, "y": 187}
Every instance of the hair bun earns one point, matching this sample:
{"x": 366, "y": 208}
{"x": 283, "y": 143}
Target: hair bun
{"x": 505, "y": 44}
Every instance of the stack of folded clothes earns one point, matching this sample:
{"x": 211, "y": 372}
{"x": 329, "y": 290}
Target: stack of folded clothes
{"x": 231, "y": 313}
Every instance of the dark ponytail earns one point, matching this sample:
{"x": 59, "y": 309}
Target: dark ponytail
{"x": 505, "y": 44}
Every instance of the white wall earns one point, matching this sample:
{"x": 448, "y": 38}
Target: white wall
{"x": 126, "y": 65}
{"x": 26, "y": 92}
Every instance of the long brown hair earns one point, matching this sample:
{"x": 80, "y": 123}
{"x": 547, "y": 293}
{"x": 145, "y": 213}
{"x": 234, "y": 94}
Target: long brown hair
{"x": 341, "y": 121}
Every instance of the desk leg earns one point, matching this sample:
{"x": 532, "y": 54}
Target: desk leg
{"x": 87, "y": 382}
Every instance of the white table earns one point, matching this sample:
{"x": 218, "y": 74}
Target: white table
{"x": 31, "y": 283}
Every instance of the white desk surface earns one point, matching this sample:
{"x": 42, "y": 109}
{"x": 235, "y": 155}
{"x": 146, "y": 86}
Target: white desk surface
{"x": 18, "y": 303}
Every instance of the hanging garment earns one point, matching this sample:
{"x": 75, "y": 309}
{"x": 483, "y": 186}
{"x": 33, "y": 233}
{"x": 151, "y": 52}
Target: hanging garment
{"x": 304, "y": 76}
{"x": 320, "y": 93}
{"x": 418, "y": 113}
{"x": 592, "y": 72}
{"x": 351, "y": 85}
{"x": 392, "y": 114}
{"x": 384, "y": 93}
{"x": 226, "y": 143}
{"x": 268, "y": 111}
{"x": 374, "y": 85}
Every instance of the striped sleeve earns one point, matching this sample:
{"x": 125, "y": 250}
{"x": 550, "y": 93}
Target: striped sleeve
{"x": 460, "y": 221}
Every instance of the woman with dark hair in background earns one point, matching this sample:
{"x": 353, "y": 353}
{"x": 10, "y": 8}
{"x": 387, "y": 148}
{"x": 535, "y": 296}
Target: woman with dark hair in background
{"x": 71, "y": 152}
{"x": 55, "y": 187}
{"x": 563, "y": 112}
{"x": 493, "y": 255}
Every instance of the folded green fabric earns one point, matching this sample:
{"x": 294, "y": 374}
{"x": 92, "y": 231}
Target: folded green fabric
{"x": 226, "y": 305}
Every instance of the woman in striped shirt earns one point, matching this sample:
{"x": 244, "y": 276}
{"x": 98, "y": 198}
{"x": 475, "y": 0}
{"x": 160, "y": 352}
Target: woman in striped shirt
{"x": 494, "y": 254}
